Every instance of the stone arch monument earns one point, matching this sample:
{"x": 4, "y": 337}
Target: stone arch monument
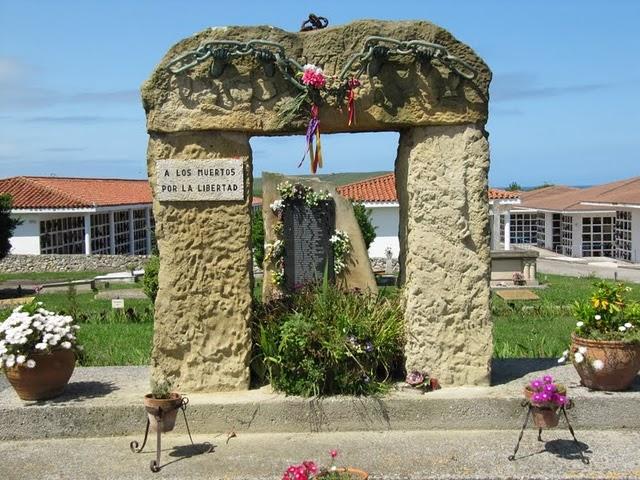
{"x": 417, "y": 80}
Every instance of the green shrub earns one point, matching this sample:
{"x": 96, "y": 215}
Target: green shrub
{"x": 7, "y": 224}
{"x": 257, "y": 237}
{"x": 608, "y": 314}
{"x": 150, "y": 280}
{"x": 323, "y": 341}
{"x": 363, "y": 216}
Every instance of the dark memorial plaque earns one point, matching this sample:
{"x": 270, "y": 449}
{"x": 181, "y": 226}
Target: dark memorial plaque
{"x": 307, "y": 249}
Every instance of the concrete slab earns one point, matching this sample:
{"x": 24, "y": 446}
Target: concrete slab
{"x": 517, "y": 294}
{"x": 107, "y": 401}
{"x": 120, "y": 293}
{"x": 408, "y": 455}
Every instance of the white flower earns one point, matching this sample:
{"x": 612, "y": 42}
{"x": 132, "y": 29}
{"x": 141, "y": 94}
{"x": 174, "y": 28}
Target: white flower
{"x": 277, "y": 206}
{"x": 597, "y": 317}
{"x": 582, "y": 350}
{"x": 20, "y": 359}
{"x": 628, "y": 325}
{"x": 579, "y": 324}
{"x": 41, "y": 346}
{"x": 622, "y": 328}
{"x": 30, "y": 363}
{"x": 565, "y": 353}
{"x": 65, "y": 344}
{"x": 597, "y": 364}
{"x": 562, "y": 359}
{"x": 578, "y": 357}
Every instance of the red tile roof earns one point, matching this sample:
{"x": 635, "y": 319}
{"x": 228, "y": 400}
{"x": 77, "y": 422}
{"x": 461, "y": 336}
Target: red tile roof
{"x": 376, "y": 189}
{"x": 497, "y": 194}
{"x": 625, "y": 192}
{"x": 383, "y": 189}
{"x": 560, "y": 198}
{"x": 62, "y": 192}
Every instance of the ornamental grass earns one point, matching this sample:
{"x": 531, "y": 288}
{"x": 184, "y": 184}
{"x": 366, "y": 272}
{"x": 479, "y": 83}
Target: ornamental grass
{"x": 321, "y": 340}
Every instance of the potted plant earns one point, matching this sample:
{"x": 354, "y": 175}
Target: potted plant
{"x": 545, "y": 397}
{"x": 38, "y": 351}
{"x": 605, "y": 347}
{"x": 308, "y": 470}
{"x": 518, "y": 279}
{"x": 162, "y": 405}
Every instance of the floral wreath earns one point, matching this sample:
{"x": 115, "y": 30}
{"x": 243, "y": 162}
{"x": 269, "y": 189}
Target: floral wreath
{"x": 317, "y": 84}
{"x": 274, "y": 252}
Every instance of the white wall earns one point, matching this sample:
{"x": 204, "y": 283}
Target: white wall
{"x": 26, "y": 236}
{"x": 386, "y": 220}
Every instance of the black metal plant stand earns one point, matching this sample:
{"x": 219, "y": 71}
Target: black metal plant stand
{"x": 158, "y": 414}
{"x": 526, "y": 404}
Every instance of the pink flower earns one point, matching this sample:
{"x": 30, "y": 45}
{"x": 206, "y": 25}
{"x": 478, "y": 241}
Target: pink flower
{"x": 561, "y": 399}
{"x": 314, "y": 76}
{"x": 310, "y": 466}
{"x": 547, "y": 379}
{"x": 333, "y": 453}
{"x": 536, "y": 384}
{"x": 549, "y": 388}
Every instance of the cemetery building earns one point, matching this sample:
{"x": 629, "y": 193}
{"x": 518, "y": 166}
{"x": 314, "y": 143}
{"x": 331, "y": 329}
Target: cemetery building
{"x": 80, "y": 215}
{"x": 599, "y": 221}
{"x": 378, "y": 194}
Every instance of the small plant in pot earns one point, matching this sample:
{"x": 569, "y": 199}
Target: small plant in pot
{"x": 308, "y": 470}
{"x": 605, "y": 348}
{"x": 546, "y": 397}
{"x": 518, "y": 279}
{"x": 162, "y": 405}
{"x": 38, "y": 351}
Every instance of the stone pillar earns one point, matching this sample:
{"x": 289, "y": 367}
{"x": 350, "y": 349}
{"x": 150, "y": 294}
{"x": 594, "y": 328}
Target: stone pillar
{"x": 201, "y": 332}
{"x": 112, "y": 233}
{"x": 507, "y": 230}
{"x": 445, "y": 260}
{"x": 87, "y": 234}
{"x": 495, "y": 228}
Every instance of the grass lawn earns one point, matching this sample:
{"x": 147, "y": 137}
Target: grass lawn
{"x": 48, "y": 276}
{"x": 116, "y": 344}
{"x": 520, "y": 328}
{"x": 541, "y": 328}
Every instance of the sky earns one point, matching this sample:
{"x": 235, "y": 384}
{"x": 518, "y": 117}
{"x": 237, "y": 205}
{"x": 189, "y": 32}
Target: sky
{"x": 564, "y": 108}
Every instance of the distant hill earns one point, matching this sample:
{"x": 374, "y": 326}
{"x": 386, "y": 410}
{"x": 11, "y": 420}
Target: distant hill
{"x": 335, "y": 178}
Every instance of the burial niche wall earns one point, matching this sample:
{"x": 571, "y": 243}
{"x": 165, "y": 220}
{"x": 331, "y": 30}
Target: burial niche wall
{"x": 208, "y": 111}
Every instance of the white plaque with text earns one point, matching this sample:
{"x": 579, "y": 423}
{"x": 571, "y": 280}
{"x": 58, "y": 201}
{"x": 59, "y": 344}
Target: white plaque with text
{"x": 195, "y": 180}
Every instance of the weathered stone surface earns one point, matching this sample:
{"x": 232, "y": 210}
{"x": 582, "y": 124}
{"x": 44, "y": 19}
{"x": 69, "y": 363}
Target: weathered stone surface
{"x": 441, "y": 177}
{"x": 202, "y": 311}
{"x": 243, "y": 98}
{"x": 204, "y": 302}
{"x": 358, "y": 273}
{"x": 71, "y": 263}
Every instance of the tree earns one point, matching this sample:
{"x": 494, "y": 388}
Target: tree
{"x": 514, "y": 187}
{"x": 257, "y": 237}
{"x": 363, "y": 216}
{"x": 150, "y": 279}
{"x": 7, "y": 224}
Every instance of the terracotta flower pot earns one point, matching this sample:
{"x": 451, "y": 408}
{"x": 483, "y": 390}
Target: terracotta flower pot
{"x": 165, "y": 408}
{"x": 620, "y": 363}
{"x": 47, "y": 379}
{"x": 545, "y": 417}
{"x": 354, "y": 473}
